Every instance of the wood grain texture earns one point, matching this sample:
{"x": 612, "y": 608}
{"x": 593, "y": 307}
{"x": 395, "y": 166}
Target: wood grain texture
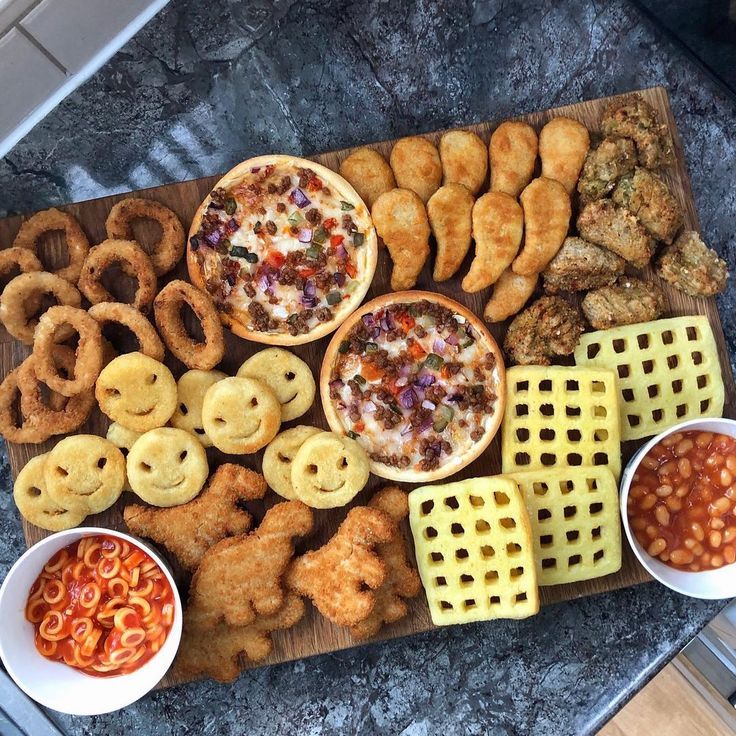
{"x": 315, "y": 635}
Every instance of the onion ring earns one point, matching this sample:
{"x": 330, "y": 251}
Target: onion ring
{"x": 149, "y": 343}
{"x": 15, "y": 428}
{"x": 22, "y": 295}
{"x": 88, "y": 354}
{"x": 167, "y": 252}
{"x": 167, "y": 308}
{"x": 21, "y": 258}
{"x": 77, "y": 244}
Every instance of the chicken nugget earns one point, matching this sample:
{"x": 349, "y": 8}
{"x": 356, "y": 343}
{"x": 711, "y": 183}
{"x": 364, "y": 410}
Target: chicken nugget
{"x": 691, "y": 266}
{"x": 464, "y": 159}
{"x": 563, "y": 145}
{"x": 498, "y": 226}
{"x": 626, "y": 302}
{"x": 417, "y": 166}
{"x": 369, "y": 173}
{"x": 547, "y": 212}
{"x": 510, "y": 293}
{"x": 580, "y": 265}
{"x": 513, "y": 153}
{"x": 604, "y": 166}
{"x": 400, "y": 219}
{"x": 450, "y": 214}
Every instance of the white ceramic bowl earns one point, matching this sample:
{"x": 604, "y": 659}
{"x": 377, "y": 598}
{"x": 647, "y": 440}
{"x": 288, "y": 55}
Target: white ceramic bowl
{"x": 55, "y": 684}
{"x": 709, "y": 584}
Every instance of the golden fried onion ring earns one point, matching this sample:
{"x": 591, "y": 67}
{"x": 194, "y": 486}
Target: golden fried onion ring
{"x": 149, "y": 343}
{"x": 22, "y": 258}
{"x": 15, "y": 428}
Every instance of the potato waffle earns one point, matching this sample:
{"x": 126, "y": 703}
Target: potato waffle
{"x": 575, "y": 522}
{"x": 668, "y": 371}
{"x": 560, "y": 417}
{"x": 474, "y": 550}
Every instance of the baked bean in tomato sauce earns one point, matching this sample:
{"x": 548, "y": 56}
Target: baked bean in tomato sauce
{"x": 681, "y": 501}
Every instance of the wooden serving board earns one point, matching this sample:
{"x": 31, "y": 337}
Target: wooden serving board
{"x": 314, "y": 634}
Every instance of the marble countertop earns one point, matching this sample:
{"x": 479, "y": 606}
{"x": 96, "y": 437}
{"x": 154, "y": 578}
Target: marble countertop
{"x": 210, "y": 82}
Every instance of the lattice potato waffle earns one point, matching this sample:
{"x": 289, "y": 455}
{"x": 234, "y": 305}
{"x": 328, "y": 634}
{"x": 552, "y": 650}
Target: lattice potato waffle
{"x": 560, "y": 417}
{"x": 668, "y": 371}
{"x": 474, "y": 550}
{"x": 575, "y": 522}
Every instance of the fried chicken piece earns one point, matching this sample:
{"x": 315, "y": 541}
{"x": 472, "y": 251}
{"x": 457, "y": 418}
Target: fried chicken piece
{"x": 635, "y": 118}
{"x": 615, "y": 228}
{"x": 417, "y": 166}
{"x": 647, "y": 197}
{"x": 549, "y": 327}
{"x": 627, "y": 302}
{"x": 369, "y": 173}
{"x": 450, "y": 211}
{"x": 510, "y": 293}
{"x": 188, "y": 531}
{"x": 563, "y": 144}
{"x": 580, "y": 265}
{"x": 604, "y": 166}
{"x": 513, "y": 152}
{"x": 464, "y": 159}
{"x": 691, "y": 266}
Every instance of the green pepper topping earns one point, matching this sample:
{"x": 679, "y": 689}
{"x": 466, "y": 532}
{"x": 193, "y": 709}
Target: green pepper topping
{"x": 466, "y": 341}
{"x": 251, "y": 257}
{"x": 358, "y": 239}
{"x": 394, "y": 408}
{"x": 223, "y": 246}
{"x": 344, "y": 347}
{"x": 292, "y": 318}
{"x": 353, "y": 435}
{"x": 352, "y": 287}
{"x": 442, "y": 417}
{"x": 371, "y": 347}
{"x": 295, "y": 218}
{"x": 345, "y": 206}
{"x": 414, "y": 310}
{"x": 319, "y": 236}
{"x": 359, "y": 379}
{"x": 238, "y": 251}
{"x": 433, "y": 362}
{"x": 334, "y": 297}
{"x": 313, "y": 252}
{"x": 257, "y": 227}
{"x": 230, "y": 205}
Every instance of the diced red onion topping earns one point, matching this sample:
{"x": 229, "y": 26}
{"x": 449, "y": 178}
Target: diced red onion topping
{"x": 407, "y": 430}
{"x": 310, "y": 289}
{"x": 300, "y": 199}
{"x": 369, "y": 407}
{"x": 438, "y": 345}
{"x": 305, "y": 235}
{"x": 451, "y": 339}
{"x": 341, "y": 253}
{"x": 407, "y": 398}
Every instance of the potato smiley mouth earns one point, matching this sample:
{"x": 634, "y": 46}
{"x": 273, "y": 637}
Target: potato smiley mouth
{"x": 169, "y": 486}
{"x": 143, "y": 413}
{"x": 332, "y": 490}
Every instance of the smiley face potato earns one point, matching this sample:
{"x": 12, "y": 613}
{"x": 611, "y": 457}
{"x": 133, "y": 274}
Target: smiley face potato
{"x": 191, "y": 388}
{"x": 280, "y": 455}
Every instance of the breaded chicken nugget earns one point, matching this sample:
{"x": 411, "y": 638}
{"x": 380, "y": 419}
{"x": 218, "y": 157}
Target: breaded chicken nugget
{"x": 563, "y": 145}
{"x": 691, "y": 266}
{"x": 626, "y": 302}
{"x": 580, "y": 265}
{"x": 369, "y": 173}
{"x": 498, "y": 226}
{"x": 401, "y": 221}
{"x": 510, "y": 293}
{"x": 547, "y": 212}
{"x": 464, "y": 159}
{"x": 604, "y": 166}
{"x": 417, "y": 166}
{"x": 513, "y": 152}
{"x": 449, "y": 210}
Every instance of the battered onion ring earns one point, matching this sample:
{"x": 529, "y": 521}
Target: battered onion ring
{"x": 133, "y": 260}
{"x": 88, "y": 354}
{"x": 21, "y": 258}
{"x": 167, "y": 308}
{"x": 149, "y": 343}
{"x": 77, "y": 244}
{"x": 23, "y": 293}
{"x": 169, "y": 249}
{"x": 14, "y": 428}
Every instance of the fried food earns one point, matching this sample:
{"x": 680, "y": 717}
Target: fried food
{"x": 416, "y": 165}
{"x": 450, "y": 215}
{"x": 137, "y": 392}
{"x": 23, "y": 296}
{"x": 167, "y": 308}
{"x": 464, "y": 159}
{"x": 647, "y": 197}
{"x": 401, "y": 221}
{"x": 127, "y": 316}
{"x": 691, "y": 266}
{"x": 167, "y": 467}
{"x": 580, "y": 265}
{"x": 14, "y": 425}
{"x": 604, "y": 166}
{"x": 122, "y": 437}
{"x": 402, "y": 580}
{"x": 369, "y": 173}
{"x": 626, "y": 302}
{"x": 549, "y": 327}
{"x": 563, "y": 145}
{"x": 20, "y": 260}
{"x": 279, "y": 456}
{"x": 77, "y": 245}
{"x": 240, "y": 415}
{"x": 634, "y": 118}
{"x": 341, "y": 577}
{"x": 167, "y": 252}
{"x": 240, "y": 578}
{"x": 88, "y": 352}
{"x": 615, "y": 228}
{"x": 498, "y": 226}
{"x": 547, "y": 212}
{"x": 510, "y": 293}
{"x": 513, "y": 153}
{"x": 188, "y": 531}
{"x": 190, "y": 389}
{"x": 329, "y": 470}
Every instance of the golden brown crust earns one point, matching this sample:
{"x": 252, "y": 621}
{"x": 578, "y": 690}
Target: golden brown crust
{"x": 416, "y": 165}
{"x": 464, "y": 159}
{"x": 149, "y": 343}
{"x": 510, "y": 293}
{"x": 513, "y": 154}
{"x": 369, "y": 173}
{"x": 450, "y": 215}
{"x": 563, "y": 145}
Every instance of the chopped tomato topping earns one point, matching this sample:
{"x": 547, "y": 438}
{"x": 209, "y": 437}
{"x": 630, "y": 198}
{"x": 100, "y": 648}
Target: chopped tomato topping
{"x": 329, "y": 223}
{"x": 359, "y": 426}
{"x": 314, "y": 184}
{"x": 445, "y": 371}
{"x": 351, "y": 269}
{"x": 275, "y": 259}
{"x": 306, "y": 272}
{"x": 370, "y": 372}
{"x": 416, "y": 350}
{"x": 336, "y": 240}
{"x": 406, "y": 321}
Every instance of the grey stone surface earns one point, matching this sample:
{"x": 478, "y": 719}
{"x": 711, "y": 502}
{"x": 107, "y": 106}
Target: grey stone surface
{"x": 210, "y": 82}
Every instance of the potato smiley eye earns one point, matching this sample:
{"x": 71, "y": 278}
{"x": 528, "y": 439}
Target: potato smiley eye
{"x": 152, "y": 378}
{"x": 112, "y": 392}
{"x": 220, "y": 421}
{"x": 284, "y": 459}
{"x": 312, "y": 469}
{"x": 33, "y": 491}
{"x": 145, "y": 467}
{"x": 102, "y": 462}
{"x": 254, "y": 401}
{"x": 289, "y": 376}
{"x": 342, "y": 463}
{"x": 183, "y": 456}
{"x": 183, "y": 409}
{"x": 61, "y": 471}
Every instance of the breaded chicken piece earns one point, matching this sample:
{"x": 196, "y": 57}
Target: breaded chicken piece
{"x": 513, "y": 153}
{"x": 627, "y": 302}
{"x": 604, "y": 166}
{"x": 549, "y": 327}
{"x": 580, "y": 265}
{"x": 645, "y": 195}
{"x": 634, "y": 118}
{"x": 510, "y": 293}
{"x": 417, "y": 166}
{"x": 563, "y": 144}
{"x": 691, "y": 266}
{"x": 615, "y": 228}
{"x": 450, "y": 211}
{"x": 369, "y": 173}
{"x": 464, "y": 159}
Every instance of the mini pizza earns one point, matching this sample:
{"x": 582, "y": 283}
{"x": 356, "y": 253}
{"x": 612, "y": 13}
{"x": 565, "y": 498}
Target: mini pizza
{"x": 285, "y": 247}
{"x": 418, "y": 381}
